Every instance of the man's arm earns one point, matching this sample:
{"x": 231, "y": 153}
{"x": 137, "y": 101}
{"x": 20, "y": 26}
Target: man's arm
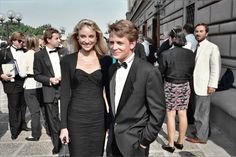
{"x": 215, "y": 67}
{"x": 156, "y": 106}
{"x": 38, "y": 71}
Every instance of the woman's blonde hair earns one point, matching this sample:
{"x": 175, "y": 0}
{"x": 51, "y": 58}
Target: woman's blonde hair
{"x": 101, "y": 45}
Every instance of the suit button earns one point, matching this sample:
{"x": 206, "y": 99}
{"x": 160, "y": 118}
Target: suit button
{"x": 115, "y": 124}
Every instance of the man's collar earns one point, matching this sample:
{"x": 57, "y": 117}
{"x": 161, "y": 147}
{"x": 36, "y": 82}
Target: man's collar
{"x": 49, "y": 50}
{"x": 128, "y": 60}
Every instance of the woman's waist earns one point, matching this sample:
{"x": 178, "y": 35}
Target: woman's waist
{"x": 177, "y": 80}
{"x": 30, "y": 83}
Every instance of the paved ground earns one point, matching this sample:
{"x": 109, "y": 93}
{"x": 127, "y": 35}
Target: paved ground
{"x": 217, "y": 146}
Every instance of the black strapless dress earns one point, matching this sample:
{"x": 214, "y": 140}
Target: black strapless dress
{"x": 86, "y": 115}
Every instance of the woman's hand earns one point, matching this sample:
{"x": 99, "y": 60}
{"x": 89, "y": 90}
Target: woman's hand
{"x": 64, "y": 136}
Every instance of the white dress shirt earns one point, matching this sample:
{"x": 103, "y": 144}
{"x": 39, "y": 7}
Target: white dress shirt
{"x": 55, "y": 60}
{"x": 17, "y": 56}
{"x": 121, "y": 76}
{"x": 191, "y": 43}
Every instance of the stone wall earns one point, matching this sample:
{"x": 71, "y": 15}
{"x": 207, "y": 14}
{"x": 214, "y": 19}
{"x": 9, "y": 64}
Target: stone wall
{"x": 219, "y": 15}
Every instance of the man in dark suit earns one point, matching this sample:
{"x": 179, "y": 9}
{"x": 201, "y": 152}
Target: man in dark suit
{"x": 13, "y": 85}
{"x": 137, "y": 105}
{"x": 47, "y": 71}
{"x": 139, "y": 51}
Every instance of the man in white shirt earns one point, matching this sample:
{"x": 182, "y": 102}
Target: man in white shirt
{"x": 191, "y": 43}
{"x": 205, "y": 77}
{"x": 47, "y": 71}
{"x": 13, "y": 85}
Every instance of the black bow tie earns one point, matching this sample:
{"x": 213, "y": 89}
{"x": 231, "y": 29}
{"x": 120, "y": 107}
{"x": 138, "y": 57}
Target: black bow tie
{"x": 124, "y": 64}
{"x": 20, "y": 49}
{"x": 52, "y": 51}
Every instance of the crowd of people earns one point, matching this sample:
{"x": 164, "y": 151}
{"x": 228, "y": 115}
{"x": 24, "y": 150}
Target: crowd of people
{"x": 124, "y": 87}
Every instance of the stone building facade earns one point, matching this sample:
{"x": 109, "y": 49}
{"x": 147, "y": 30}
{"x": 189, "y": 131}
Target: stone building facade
{"x": 155, "y": 18}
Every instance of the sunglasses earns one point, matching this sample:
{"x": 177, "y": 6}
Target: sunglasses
{"x": 174, "y": 31}
{"x": 20, "y": 41}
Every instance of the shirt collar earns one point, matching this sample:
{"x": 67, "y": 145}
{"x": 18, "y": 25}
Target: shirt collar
{"x": 129, "y": 60}
{"x": 202, "y": 42}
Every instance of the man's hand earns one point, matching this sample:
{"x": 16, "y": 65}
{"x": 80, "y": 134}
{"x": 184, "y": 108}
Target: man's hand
{"x": 142, "y": 146}
{"x": 64, "y": 136}
{"x": 54, "y": 80}
{"x": 210, "y": 90}
{"x": 6, "y": 77}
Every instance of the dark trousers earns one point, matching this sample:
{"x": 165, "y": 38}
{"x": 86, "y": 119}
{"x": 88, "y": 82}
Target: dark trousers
{"x": 115, "y": 150}
{"x": 137, "y": 152}
{"x": 53, "y": 121}
{"x": 191, "y": 106}
{"x": 33, "y": 99}
{"x": 17, "y": 110}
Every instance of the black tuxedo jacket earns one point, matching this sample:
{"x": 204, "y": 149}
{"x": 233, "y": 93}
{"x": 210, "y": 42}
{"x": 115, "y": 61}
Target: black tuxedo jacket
{"x": 8, "y": 86}
{"x": 141, "y": 110}
{"x": 43, "y": 71}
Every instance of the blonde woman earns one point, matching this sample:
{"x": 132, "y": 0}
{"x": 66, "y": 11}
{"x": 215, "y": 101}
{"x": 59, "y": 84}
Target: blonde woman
{"x": 84, "y": 76}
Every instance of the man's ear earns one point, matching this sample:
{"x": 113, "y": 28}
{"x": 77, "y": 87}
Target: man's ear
{"x": 132, "y": 44}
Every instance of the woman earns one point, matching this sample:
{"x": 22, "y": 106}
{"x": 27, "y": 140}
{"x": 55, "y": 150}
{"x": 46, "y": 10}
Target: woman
{"x": 176, "y": 66}
{"x": 84, "y": 76}
{"x": 32, "y": 88}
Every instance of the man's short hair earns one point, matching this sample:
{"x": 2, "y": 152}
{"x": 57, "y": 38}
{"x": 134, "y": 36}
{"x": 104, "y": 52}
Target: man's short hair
{"x": 203, "y": 24}
{"x": 124, "y": 28}
{"x": 188, "y": 27}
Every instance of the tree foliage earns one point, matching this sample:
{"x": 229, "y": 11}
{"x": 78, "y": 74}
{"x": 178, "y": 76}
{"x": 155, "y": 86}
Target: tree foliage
{"x": 8, "y": 27}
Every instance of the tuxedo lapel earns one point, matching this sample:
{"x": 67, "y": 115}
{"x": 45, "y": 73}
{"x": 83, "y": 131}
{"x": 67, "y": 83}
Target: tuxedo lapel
{"x": 61, "y": 53}
{"x": 47, "y": 61}
{"x": 112, "y": 87}
{"x": 10, "y": 54}
{"x": 7, "y": 56}
{"x": 128, "y": 87}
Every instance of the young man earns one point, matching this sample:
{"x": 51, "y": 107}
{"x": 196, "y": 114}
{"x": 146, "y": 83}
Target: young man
{"x": 137, "y": 105}
{"x": 188, "y": 30}
{"x": 205, "y": 77}
{"x": 191, "y": 44}
{"x": 13, "y": 85}
{"x": 47, "y": 71}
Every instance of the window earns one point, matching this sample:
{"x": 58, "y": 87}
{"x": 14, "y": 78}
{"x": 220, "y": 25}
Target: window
{"x": 190, "y": 14}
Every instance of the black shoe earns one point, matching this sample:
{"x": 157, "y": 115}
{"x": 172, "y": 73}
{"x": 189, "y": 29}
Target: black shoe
{"x": 32, "y": 138}
{"x": 168, "y": 148}
{"x": 14, "y": 137}
{"x": 178, "y": 146}
{"x": 55, "y": 151}
{"x": 26, "y": 129}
